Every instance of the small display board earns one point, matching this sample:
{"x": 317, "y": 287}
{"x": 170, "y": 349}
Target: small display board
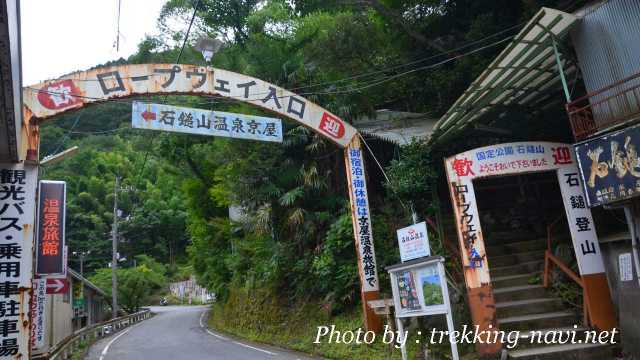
{"x": 413, "y": 242}
{"x": 420, "y": 289}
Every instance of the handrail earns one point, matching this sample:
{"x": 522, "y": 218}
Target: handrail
{"x": 65, "y": 348}
{"x": 605, "y": 89}
{"x": 550, "y": 260}
{"x": 613, "y": 105}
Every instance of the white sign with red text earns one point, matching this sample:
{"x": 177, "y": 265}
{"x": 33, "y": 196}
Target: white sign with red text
{"x": 413, "y": 242}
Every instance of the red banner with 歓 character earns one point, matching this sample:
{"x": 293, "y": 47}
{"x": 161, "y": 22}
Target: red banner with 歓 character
{"x": 51, "y": 218}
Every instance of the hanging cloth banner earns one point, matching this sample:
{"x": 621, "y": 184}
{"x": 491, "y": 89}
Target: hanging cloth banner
{"x": 205, "y": 122}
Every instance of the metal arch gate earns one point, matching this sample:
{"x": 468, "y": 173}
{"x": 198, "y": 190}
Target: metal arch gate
{"x": 77, "y": 90}
{"x": 513, "y": 159}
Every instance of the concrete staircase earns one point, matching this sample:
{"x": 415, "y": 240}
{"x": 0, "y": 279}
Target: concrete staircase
{"x": 523, "y": 304}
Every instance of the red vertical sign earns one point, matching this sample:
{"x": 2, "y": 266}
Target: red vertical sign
{"x": 51, "y": 218}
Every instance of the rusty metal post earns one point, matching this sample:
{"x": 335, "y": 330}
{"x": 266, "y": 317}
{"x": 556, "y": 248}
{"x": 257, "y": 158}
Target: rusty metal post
{"x": 362, "y": 231}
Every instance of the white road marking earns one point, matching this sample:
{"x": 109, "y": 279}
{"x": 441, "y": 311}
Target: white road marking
{"x": 106, "y": 348}
{"x": 224, "y": 338}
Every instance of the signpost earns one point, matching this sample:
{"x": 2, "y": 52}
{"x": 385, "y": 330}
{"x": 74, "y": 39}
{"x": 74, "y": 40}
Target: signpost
{"x": 420, "y": 289}
{"x": 57, "y": 286}
{"x": 205, "y": 122}
{"x": 51, "y": 219}
{"x": 413, "y": 242}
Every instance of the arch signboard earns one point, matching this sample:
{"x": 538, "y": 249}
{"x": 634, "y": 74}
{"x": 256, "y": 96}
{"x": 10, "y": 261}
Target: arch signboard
{"x": 513, "y": 159}
{"x": 78, "y": 90}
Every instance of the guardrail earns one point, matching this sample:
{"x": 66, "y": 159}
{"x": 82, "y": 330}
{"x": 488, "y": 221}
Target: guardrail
{"x": 65, "y": 348}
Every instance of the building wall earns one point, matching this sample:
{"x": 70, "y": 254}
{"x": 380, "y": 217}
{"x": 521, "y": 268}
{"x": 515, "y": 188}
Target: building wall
{"x": 608, "y": 51}
{"x": 626, "y": 295}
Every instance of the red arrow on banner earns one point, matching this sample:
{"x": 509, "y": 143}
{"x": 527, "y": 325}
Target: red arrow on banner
{"x": 57, "y": 286}
{"x": 148, "y": 115}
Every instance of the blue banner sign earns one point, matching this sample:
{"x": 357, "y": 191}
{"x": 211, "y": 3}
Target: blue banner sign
{"x": 205, "y": 122}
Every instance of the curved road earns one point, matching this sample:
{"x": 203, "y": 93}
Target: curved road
{"x": 178, "y": 332}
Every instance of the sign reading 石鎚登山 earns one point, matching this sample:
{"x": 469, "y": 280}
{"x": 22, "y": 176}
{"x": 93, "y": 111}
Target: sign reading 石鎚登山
{"x": 610, "y": 166}
{"x": 51, "y": 218}
{"x": 413, "y": 241}
{"x": 17, "y": 217}
{"x": 205, "y": 122}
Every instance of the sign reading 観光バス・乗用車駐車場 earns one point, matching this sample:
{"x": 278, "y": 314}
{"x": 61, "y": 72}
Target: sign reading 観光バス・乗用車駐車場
{"x": 205, "y": 122}
{"x": 17, "y": 217}
{"x": 610, "y": 166}
{"x": 413, "y": 242}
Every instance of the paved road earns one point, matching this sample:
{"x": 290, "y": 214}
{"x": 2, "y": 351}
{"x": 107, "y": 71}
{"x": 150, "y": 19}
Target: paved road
{"x": 177, "y": 333}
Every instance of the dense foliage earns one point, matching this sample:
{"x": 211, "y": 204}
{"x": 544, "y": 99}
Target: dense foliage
{"x": 295, "y": 236}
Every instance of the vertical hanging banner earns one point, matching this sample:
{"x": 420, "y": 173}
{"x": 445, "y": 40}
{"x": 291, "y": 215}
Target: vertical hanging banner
{"x": 51, "y": 217}
{"x": 362, "y": 230}
{"x": 38, "y": 318}
{"x": 581, "y": 226}
{"x": 17, "y": 217}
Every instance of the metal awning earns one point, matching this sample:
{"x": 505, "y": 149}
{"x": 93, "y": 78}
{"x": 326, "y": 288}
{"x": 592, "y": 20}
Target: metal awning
{"x": 524, "y": 73}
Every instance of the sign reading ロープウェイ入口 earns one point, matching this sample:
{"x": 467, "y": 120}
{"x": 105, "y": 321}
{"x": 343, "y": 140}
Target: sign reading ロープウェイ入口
{"x": 413, "y": 242}
{"x": 205, "y": 122}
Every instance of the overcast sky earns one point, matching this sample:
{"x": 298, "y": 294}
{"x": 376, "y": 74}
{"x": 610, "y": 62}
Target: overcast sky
{"x": 61, "y": 36}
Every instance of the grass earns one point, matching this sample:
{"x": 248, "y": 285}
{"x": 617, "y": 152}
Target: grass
{"x": 262, "y": 318}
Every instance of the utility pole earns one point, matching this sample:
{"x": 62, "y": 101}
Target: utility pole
{"x": 114, "y": 255}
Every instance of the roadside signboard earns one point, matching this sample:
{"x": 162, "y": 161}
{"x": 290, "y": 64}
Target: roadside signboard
{"x": 205, "y": 122}
{"x": 38, "y": 318}
{"x": 610, "y": 166}
{"x": 420, "y": 289}
{"x": 413, "y": 242}
{"x": 51, "y": 220}
{"x": 57, "y": 285}
{"x": 17, "y": 218}
{"x": 78, "y": 303}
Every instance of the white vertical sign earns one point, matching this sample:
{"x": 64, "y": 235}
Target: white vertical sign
{"x": 581, "y": 226}
{"x": 362, "y": 215}
{"x": 17, "y": 218}
{"x": 38, "y": 318}
{"x": 624, "y": 262}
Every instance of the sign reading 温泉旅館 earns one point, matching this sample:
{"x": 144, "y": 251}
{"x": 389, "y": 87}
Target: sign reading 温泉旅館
{"x": 610, "y": 166}
{"x": 413, "y": 242}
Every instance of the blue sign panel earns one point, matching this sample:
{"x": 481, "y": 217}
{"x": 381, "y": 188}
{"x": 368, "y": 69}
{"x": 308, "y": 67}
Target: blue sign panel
{"x": 610, "y": 166}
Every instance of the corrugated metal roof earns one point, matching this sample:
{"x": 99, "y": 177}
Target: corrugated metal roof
{"x": 398, "y": 127}
{"x": 521, "y": 74}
